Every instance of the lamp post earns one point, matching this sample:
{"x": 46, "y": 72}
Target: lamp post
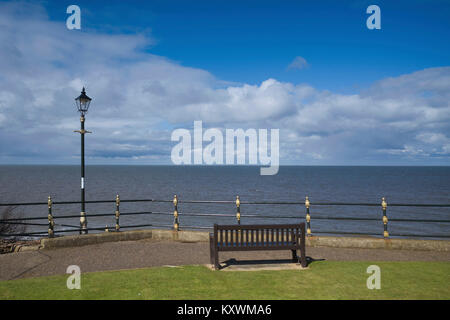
{"x": 82, "y": 102}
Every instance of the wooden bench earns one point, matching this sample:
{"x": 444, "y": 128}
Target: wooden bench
{"x": 258, "y": 237}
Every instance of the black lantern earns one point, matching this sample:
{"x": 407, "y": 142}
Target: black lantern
{"x": 83, "y": 102}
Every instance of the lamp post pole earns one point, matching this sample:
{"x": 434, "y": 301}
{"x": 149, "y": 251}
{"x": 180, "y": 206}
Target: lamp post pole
{"x": 83, "y": 102}
{"x": 83, "y": 220}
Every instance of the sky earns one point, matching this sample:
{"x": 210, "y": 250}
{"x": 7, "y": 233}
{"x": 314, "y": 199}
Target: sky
{"x": 340, "y": 94}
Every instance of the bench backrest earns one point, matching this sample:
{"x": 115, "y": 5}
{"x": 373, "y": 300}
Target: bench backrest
{"x": 258, "y": 235}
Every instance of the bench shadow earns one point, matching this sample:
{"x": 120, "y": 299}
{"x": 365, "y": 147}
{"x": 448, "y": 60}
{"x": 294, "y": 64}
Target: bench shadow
{"x": 234, "y": 262}
{"x": 310, "y": 260}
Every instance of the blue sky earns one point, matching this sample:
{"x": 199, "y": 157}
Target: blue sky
{"x": 250, "y": 41}
{"x": 359, "y": 96}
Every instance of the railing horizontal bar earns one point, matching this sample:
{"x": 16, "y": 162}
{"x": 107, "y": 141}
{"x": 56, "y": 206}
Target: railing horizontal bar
{"x": 242, "y": 202}
{"x": 22, "y": 234}
{"x": 206, "y": 214}
{"x": 362, "y": 204}
{"x": 150, "y": 200}
{"x": 345, "y": 232}
{"x": 134, "y": 213}
{"x": 111, "y": 229}
{"x": 418, "y": 220}
{"x": 148, "y": 212}
{"x": 108, "y": 201}
{"x": 195, "y": 227}
{"x": 206, "y": 201}
{"x": 419, "y": 205}
{"x": 87, "y": 201}
{"x": 343, "y": 218}
{"x": 25, "y": 219}
{"x": 87, "y": 215}
{"x": 67, "y": 225}
{"x": 102, "y": 214}
{"x": 269, "y": 217}
{"x": 420, "y": 235}
{"x": 24, "y": 223}
{"x": 72, "y": 216}
{"x": 378, "y": 204}
{"x": 375, "y": 219}
{"x": 22, "y": 204}
{"x": 273, "y": 202}
{"x": 343, "y": 204}
{"x": 78, "y": 202}
{"x": 75, "y": 230}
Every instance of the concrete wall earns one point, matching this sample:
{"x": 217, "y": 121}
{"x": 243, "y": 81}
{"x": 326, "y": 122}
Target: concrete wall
{"x": 197, "y": 236}
{"x": 95, "y": 238}
{"x": 376, "y": 243}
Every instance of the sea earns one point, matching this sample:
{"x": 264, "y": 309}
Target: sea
{"x": 322, "y": 184}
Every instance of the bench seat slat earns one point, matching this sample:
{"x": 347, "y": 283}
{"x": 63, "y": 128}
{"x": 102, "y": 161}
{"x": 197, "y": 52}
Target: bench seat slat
{"x": 259, "y": 243}
{"x": 256, "y": 226}
{"x": 260, "y": 247}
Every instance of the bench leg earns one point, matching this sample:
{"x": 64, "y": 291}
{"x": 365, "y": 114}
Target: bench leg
{"x": 213, "y": 253}
{"x": 303, "y": 247}
{"x": 294, "y": 255}
{"x": 211, "y": 249}
{"x": 302, "y": 259}
{"x": 216, "y": 260}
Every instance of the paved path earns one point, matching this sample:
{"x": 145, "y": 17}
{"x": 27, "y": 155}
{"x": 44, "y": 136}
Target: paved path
{"x": 149, "y": 253}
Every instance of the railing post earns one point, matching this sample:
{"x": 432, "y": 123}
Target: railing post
{"x": 238, "y": 210}
{"x": 385, "y": 219}
{"x": 176, "y": 224}
{"x": 83, "y": 223}
{"x": 117, "y": 213}
{"x": 51, "y": 223}
{"x": 308, "y": 217}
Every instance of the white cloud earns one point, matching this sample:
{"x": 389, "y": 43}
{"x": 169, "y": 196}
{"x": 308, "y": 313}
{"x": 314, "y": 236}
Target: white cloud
{"x": 139, "y": 97}
{"x": 298, "y": 63}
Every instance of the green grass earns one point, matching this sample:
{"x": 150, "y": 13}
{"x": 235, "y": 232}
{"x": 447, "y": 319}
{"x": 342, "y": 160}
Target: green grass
{"x": 323, "y": 280}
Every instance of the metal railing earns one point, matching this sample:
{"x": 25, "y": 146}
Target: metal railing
{"x": 309, "y": 216}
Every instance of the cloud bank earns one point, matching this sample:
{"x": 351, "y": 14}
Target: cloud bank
{"x": 139, "y": 98}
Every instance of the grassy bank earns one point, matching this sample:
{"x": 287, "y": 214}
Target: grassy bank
{"x": 323, "y": 280}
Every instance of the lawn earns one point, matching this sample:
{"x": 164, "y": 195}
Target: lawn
{"x": 323, "y": 280}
